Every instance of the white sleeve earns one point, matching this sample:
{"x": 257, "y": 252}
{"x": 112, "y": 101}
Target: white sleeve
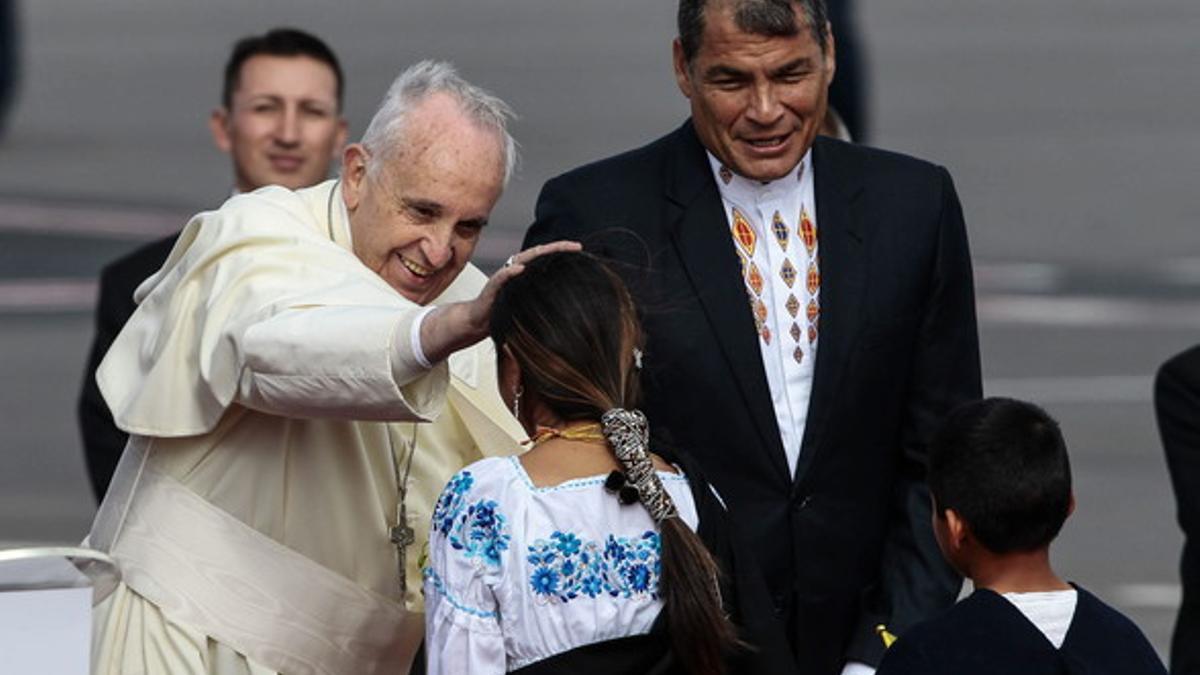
{"x": 462, "y": 628}
{"x": 462, "y": 620}
{"x": 355, "y": 362}
{"x": 257, "y": 306}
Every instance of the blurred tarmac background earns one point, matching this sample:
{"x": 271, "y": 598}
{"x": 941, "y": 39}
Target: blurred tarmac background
{"x": 1070, "y": 128}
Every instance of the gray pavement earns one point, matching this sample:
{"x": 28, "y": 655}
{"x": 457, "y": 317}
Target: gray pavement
{"x": 1069, "y": 127}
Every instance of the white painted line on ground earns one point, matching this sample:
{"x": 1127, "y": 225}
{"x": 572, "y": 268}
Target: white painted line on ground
{"x": 1146, "y": 596}
{"x": 47, "y": 295}
{"x": 1185, "y": 271}
{"x": 89, "y": 219}
{"x": 1086, "y": 311}
{"x": 1017, "y": 277}
{"x": 1077, "y": 389}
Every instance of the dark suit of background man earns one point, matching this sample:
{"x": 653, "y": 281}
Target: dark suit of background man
{"x": 1177, "y": 404}
{"x": 281, "y": 123}
{"x": 839, "y": 514}
{"x": 848, "y": 93}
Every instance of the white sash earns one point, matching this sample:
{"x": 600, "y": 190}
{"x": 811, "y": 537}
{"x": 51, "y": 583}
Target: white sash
{"x": 208, "y": 570}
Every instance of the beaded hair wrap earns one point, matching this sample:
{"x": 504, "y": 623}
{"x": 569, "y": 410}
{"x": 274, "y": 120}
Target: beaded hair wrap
{"x": 628, "y": 435}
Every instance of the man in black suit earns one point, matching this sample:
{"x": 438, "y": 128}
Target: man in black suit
{"x": 809, "y": 314}
{"x": 1177, "y": 405}
{"x": 281, "y": 123}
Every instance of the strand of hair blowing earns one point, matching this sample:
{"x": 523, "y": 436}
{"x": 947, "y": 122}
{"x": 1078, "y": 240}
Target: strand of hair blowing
{"x": 700, "y": 632}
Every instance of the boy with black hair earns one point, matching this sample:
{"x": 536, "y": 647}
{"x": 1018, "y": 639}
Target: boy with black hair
{"x": 1001, "y": 486}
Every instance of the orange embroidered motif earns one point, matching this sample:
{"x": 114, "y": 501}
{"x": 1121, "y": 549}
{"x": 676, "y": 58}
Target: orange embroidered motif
{"x": 798, "y": 354}
{"x": 812, "y": 334}
{"x": 796, "y": 332}
{"x": 766, "y": 334}
{"x": 726, "y": 175}
{"x": 780, "y": 229}
{"x": 743, "y": 233}
{"x": 808, "y": 232}
{"x": 814, "y": 310}
{"x": 754, "y": 278}
{"x": 760, "y": 311}
{"x": 813, "y": 279}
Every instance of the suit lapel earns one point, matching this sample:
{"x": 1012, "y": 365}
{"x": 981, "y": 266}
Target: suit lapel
{"x": 840, "y": 236}
{"x": 700, "y": 233}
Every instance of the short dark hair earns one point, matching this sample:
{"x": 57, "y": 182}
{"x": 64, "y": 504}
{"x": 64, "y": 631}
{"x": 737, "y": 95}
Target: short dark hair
{"x": 772, "y": 18}
{"x": 1002, "y": 465}
{"x": 278, "y": 42}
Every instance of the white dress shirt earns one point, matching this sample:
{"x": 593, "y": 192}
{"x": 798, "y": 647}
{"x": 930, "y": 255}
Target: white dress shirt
{"x": 778, "y": 252}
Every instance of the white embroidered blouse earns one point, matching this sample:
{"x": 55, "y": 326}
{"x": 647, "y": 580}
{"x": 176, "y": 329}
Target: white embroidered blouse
{"x": 518, "y": 573}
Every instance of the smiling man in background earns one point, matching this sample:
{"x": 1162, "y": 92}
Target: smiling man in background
{"x": 280, "y": 118}
{"x": 281, "y": 123}
{"x": 811, "y": 300}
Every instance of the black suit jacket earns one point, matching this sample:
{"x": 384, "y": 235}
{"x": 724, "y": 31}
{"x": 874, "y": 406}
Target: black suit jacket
{"x": 1177, "y": 405}
{"x": 103, "y": 442}
{"x": 845, "y": 544}
{"x": 987, "y": 635}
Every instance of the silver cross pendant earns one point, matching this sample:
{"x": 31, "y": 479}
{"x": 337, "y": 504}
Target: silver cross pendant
{"x": 402, "y": 536}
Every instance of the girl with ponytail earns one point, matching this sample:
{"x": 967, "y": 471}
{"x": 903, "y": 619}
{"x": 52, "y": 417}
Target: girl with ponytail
{"x": 582, "y": 555}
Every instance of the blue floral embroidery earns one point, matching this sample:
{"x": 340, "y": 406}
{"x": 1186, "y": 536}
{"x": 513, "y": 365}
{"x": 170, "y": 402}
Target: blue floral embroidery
{"x": 478, "y": 530}
{"x": 564, "y": 567}
{"x": 450, "y": 503}
{"x": 545, "y": 581}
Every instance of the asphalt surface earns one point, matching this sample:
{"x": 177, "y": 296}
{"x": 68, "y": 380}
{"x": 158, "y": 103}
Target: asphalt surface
{"x": 1069, "y": 128}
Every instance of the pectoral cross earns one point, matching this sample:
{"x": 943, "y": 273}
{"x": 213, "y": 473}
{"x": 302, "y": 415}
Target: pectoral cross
{"x": 402, "y": 536}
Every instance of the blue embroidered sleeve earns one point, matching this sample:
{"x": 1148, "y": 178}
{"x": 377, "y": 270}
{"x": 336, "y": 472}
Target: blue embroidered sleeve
{"x": 467, "y": 537}
{"x": 474, "y": 527}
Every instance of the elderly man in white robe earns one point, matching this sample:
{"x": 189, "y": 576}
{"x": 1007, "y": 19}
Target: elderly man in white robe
{"x": 281, "y": 379}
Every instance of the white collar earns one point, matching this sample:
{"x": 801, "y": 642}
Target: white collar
{"x": 739, "y": 188}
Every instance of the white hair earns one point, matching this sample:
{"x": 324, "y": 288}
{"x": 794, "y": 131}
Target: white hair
{"x": 384, "y": 135}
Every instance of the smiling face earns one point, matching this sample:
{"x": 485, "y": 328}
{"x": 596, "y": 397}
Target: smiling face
{"x": 757, "y": 101}
{"x": 416, "y": 219}
{"x": 283, "y": 125}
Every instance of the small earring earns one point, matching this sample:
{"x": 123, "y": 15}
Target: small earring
{"x": 517, "y": 391}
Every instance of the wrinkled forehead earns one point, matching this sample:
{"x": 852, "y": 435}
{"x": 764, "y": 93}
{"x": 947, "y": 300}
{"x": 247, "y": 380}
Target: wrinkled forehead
{"x": 439, "y": 135}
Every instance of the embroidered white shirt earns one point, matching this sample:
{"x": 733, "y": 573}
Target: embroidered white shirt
{"x": 518, "y": 573}
{"x": 781, "y": 273}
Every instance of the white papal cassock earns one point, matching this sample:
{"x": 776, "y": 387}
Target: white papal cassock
{"x": 270, "y": 385}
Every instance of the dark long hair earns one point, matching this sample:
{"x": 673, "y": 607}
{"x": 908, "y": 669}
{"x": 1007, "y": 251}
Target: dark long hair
{"x": 571, "y": 325}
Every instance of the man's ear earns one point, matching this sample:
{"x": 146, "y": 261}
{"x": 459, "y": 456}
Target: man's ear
{"x": 682, "y": 72}
{"x": 956, "y": 528}
{"x": 218, "y": 125}
{"x": 354, "y": 174}
{"x": 830, "y": 53}
{"x": 1071, "y": 504}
